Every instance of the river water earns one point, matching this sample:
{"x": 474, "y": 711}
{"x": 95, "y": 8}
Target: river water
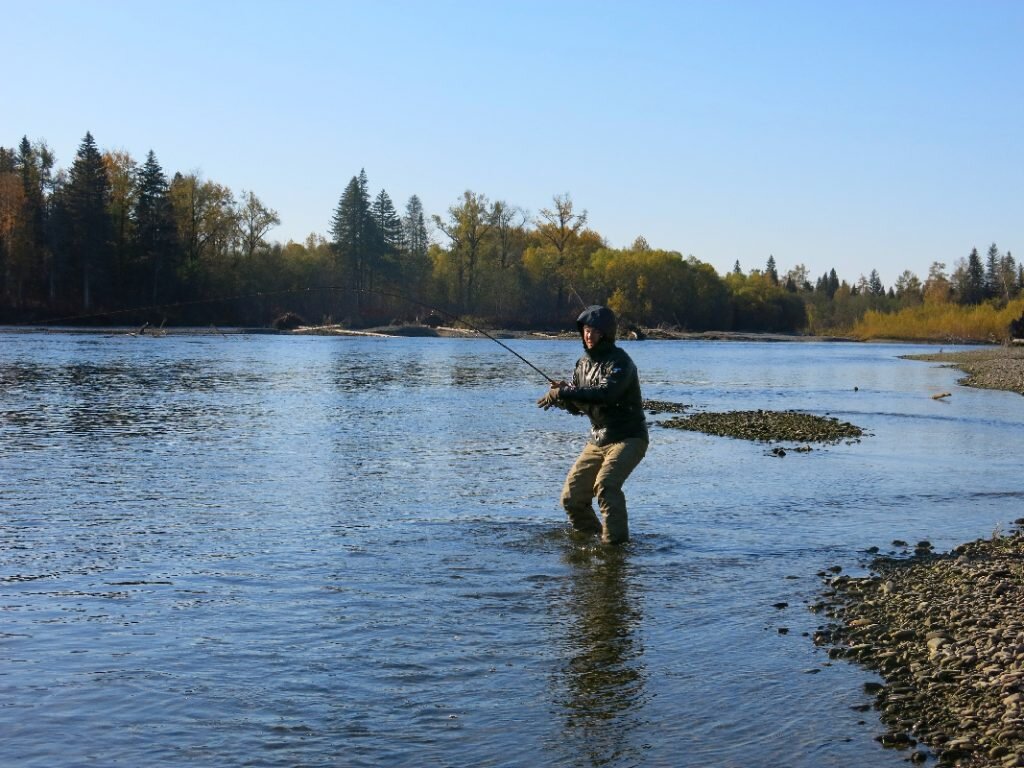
{"x": 293, "y": 551}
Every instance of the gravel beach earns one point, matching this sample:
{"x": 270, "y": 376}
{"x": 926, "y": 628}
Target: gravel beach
{"x": 946, "y": 632}
{"x": 988, "y": 368}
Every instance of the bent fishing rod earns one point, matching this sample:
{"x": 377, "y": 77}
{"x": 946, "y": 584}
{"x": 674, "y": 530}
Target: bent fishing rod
{"x": 309, "y": 289}
{"x": 452, "y": 317}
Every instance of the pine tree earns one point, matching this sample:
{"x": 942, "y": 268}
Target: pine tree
{"x": 88, "y": 222}
{"x": 771, "y": 271}
{"x": 156, "y": 237}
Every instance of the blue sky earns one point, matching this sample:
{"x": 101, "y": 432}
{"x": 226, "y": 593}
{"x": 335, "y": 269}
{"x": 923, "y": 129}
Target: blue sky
{"x": 855, "y": 135}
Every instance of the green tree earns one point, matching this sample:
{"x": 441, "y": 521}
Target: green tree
{"x": 355, "y": 239}
{"x": 875, "y": 287}
{"x": 560, "y": 227}
{"x": 122, "y": 171}
{"x": 205, "y": 217}
{"x": 509, "y": 230}
{"x": 1008, "y": 276}
{"x": 156, "y": 236}
{"x": 86, "y": 202}
{"x": 388, "y": 223}
{"x": 799, "y": 278}
{"x": 993, "y": 278}
{"x": 468, "y": 225}
{"x": 417, "y": 240}
{"x": 970, "y": 281}
{"x": 908, "y": 289}
{"x": 771, "y": 271}
{"x": 255, "y": 220}
{"x": 33, "y": 261}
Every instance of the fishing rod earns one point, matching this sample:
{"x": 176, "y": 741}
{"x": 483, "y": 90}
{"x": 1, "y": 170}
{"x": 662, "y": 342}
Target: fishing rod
{"x": 309, "y": 289}
{"x": 450, "y": 316}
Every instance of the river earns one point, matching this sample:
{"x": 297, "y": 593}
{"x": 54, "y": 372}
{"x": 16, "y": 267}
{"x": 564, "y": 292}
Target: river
{"x": 304, "y": 551}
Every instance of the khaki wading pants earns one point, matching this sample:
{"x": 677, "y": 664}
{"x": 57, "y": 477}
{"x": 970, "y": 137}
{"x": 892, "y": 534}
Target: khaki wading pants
{"x": 601, "y": 471}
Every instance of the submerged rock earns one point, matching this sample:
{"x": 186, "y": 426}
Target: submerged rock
{"x": 663, "y": 406}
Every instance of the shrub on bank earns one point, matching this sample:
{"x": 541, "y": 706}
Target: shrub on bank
{"x": 980, "y": 323}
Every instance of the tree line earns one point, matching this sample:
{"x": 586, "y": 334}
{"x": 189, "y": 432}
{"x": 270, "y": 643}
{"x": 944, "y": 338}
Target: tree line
{"x": 112, "y": 240}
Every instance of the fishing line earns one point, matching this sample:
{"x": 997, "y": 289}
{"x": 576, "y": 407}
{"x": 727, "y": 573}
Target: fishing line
{"x": 309, "y": 289}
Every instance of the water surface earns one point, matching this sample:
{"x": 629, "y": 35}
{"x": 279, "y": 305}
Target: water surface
{"x": 292, "y": 551}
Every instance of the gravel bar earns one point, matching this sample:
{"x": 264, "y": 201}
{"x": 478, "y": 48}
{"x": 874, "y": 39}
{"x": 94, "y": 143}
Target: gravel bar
{"x": 988, "y": 368}
{"x": 946, "y": 633}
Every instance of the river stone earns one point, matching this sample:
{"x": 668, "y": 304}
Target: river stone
{"x": 946, "y": 633}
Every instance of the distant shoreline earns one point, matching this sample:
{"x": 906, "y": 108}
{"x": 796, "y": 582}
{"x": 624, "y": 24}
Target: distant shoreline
{"x": 421, "y": 331}
{"x": 456, "y": 332}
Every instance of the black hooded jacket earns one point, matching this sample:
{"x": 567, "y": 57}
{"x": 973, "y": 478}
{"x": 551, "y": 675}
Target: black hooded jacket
{"x": 605, "y": 385}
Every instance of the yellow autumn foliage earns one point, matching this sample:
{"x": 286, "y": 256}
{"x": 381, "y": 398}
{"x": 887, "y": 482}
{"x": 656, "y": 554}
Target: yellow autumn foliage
{"x": 941, "y": 322}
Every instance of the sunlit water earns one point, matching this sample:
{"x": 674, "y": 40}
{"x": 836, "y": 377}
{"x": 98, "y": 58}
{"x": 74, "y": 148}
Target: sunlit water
{"x": 290, "y": 551}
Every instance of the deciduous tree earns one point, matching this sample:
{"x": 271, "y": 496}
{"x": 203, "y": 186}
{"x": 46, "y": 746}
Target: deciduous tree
{"x": 254, "y": 221}
{"x": 468, "y": 224}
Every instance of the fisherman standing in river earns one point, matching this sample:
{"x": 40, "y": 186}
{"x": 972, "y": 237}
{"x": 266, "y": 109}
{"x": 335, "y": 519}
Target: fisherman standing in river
{"x": 606, "y": 388}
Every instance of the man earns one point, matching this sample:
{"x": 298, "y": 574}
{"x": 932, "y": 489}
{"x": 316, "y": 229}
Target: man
{"x": 605, "y": 386}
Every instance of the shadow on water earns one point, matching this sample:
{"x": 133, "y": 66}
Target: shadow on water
{"x": 599, "y": 687}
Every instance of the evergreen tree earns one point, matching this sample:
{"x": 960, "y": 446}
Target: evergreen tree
{"x": 388, "y": 224}
{"x": 1009, "y": 270}
{"x": 417, "y": 241}
{"x": 993, "y": 277}
{"x": 736, "y": 268}
{"x": 875, "y": 287}
{"x": 89, "y": 228}
{"x": 156, "y": 236}
{"x": 972, "y": 284}
{"x": 771, "y": 270}
{"x": 354, "y": 236}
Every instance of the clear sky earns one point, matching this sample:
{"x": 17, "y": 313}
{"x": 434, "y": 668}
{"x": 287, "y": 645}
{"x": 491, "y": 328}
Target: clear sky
{"x": 849, "y": 135}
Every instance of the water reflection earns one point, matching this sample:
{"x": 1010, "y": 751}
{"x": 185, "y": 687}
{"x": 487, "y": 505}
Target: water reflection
{"x": 600, "y": 687}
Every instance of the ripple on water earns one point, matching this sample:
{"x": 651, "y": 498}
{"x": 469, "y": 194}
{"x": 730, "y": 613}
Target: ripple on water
{"x": 285, "y": 551}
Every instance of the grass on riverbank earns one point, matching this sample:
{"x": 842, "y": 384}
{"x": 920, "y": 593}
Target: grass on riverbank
{"x": 946, "y": 323}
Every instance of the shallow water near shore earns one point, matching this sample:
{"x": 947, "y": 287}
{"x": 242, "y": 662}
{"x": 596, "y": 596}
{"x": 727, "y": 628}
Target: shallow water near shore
{"x": 285, "y": 551}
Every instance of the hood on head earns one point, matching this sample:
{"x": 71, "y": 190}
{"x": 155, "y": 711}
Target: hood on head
{"x": 601, "y": 318}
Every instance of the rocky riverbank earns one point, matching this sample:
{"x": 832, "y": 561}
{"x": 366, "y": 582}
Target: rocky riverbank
{"x": 987, "y": 368}
{"x": 946, "y": 632}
